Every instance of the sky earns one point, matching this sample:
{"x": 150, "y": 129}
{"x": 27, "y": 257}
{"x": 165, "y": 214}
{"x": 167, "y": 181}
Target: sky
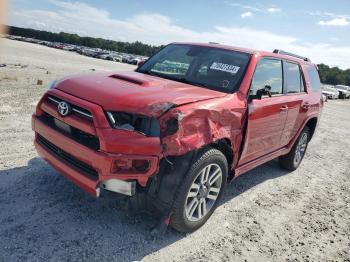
{"x": 319, "y": 29}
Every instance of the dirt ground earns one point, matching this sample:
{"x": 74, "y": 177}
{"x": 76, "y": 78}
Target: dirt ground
{"x": 267, "y": 214}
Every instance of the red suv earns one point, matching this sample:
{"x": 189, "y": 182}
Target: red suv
{"x": 171, "y": 134}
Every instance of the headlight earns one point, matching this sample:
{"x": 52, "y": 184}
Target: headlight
{"x": 148, "y": 126}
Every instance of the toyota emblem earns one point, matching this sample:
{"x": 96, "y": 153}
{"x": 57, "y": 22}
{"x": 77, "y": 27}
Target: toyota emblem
{"x": 64, "y": 108}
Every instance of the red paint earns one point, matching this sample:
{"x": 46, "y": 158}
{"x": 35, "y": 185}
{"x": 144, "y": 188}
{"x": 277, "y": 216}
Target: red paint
{"x": 257, "y": 131}
{"x": 134, "y": 92}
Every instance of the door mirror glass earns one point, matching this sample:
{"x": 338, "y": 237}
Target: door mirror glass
{"x": 266, "y": 91}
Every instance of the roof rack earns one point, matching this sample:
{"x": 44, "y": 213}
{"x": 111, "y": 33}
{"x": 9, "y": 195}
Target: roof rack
{"x": 279, "y": 51}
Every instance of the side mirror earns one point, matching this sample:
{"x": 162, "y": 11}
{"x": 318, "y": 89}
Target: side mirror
{"x": 266, "y": 91}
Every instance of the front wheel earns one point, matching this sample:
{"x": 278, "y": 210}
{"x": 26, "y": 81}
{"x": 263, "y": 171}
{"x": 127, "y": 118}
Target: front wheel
{"x": 200, "y": 191}
{"x": 292, "y": 160}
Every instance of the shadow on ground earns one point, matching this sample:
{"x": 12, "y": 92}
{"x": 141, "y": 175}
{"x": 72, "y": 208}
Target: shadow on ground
{"x": 45, "y": 217}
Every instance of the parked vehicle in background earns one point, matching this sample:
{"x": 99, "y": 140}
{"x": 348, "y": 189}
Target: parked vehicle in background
{"x": 136, "y": 61}
{"x": 172, "y": 138}
{"x": 83, "y": 50}
{"x": 100, "y": 54}
{"x": 68, "y": 48}
{"x": 125, "y": 59}
{"x": 344, "y": 91}
{"x": 114, "y": 57}
{"x": 104, "y": 56}
{"x": 89, "y": 51}
{"x": 330, "y": 91}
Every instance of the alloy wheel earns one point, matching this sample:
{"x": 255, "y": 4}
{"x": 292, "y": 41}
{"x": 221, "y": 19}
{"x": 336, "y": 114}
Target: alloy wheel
{"x": 203, "y": 192}
{"x": 300, "y": 149}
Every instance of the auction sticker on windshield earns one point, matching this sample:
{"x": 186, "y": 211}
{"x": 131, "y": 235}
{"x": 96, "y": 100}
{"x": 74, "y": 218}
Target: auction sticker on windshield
{"x": 225, "y": 67}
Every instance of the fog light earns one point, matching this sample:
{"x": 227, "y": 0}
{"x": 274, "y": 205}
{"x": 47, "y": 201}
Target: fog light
{"x": 140, "y": 165}
{"x": 130, "y": 166}
{"x": 121, "y": 165}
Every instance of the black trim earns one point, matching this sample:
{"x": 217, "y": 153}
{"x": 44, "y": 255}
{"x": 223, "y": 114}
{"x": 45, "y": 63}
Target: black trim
{"x": 77, "y": 135}
{"x": 301, "y": 80}
{"x": 68, "y": 159}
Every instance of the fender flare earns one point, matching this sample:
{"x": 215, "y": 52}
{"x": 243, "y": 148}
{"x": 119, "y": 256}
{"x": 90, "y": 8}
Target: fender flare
{"x": 306, "y": 120}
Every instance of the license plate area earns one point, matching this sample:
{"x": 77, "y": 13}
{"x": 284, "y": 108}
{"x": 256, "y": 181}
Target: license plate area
{"x": 62, "y": 126}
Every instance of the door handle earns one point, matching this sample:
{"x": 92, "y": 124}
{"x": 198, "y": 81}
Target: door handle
{"x": 284, "y": 108}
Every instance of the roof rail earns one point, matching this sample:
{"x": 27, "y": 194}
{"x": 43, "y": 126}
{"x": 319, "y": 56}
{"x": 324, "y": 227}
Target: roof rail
{"x": 279, "y": 51}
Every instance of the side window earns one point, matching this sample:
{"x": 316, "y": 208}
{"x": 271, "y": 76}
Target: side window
{"x": 268, "y": 72}
{"x": 293, "y": 81}
{"x": 314, "y": 77}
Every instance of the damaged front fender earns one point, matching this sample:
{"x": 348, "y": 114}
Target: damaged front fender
{"x": 203, "y": 123}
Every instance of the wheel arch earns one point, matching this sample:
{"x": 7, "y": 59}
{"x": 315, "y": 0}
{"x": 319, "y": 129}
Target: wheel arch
{"x": 225, "y": 147}
{"x": 312, "y": 124}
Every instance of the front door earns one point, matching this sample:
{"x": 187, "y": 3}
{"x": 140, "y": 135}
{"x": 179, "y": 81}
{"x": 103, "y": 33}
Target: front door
{"x": 266, "y": 116}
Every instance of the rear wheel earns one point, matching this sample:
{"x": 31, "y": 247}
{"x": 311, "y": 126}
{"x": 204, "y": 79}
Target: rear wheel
{"x": 292, "y": 160}
{"x": 200, "y": 192}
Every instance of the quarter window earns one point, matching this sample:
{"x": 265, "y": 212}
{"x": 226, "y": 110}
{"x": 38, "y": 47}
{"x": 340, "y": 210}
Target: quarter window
{"x": 268, "y": 72}
{"x": 293, "y": 81}
{"x": 314, "y": 77}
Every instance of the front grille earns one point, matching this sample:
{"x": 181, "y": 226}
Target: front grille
{"x": 75, "y": 109}
{"x": 68, "y": 159}
{"x": 77, "y": 135}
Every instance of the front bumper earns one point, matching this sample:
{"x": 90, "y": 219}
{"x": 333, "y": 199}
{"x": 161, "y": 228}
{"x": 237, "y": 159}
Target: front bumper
{"x": 92, "y": 169}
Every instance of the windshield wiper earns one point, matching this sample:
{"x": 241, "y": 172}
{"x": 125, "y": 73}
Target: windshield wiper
{"x": 184, "y": 80}
{"x": 152, "y": 73}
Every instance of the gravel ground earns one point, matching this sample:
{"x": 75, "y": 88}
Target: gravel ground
{"x": 267, "y": 214}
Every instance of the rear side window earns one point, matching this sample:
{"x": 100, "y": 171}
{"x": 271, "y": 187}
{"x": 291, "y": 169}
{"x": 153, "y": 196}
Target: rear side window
{"x": 268, "y": 72}
{"x": 293, "y": 81}
{"x": 314, "y": 77}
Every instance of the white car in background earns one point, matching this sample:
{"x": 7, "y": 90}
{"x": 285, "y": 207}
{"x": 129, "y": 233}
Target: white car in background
{"x": 116, "y": 58}
{"x": 330, "y": 92}
{"x": 344, "y": 91}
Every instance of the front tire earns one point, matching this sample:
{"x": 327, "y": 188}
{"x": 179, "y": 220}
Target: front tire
{"x": 200, "y": 192}
{"x": 292, "y": 160}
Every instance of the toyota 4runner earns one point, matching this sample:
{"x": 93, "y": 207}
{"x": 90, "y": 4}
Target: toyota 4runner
{"x": 172, "y": 133}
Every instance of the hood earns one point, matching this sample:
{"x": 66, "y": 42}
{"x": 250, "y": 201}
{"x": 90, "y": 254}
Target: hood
{"x": 134, "y": 92}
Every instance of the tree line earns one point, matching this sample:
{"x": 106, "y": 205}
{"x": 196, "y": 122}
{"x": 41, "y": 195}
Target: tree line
{"x": 334, "y": 75}
{"x": 329, "y": 75}
{"x": 136, "y": 48}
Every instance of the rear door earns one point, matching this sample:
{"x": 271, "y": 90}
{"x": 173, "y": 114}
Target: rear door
{"x": 295, "y": 99}
{"x": 266, "y": 116}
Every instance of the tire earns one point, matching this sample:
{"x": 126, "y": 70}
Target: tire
{"x": 292, "y": 160}
{"x": 190, "y": 211}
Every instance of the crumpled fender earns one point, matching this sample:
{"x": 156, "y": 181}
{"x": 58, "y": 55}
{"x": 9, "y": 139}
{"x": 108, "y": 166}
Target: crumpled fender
{"x": 205, "y": 122}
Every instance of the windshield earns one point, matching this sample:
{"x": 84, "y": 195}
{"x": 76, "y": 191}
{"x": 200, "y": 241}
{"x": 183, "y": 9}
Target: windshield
{"x": 207, "y": 67}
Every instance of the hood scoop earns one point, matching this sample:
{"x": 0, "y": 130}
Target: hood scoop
{"x": 133, "y": 80}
